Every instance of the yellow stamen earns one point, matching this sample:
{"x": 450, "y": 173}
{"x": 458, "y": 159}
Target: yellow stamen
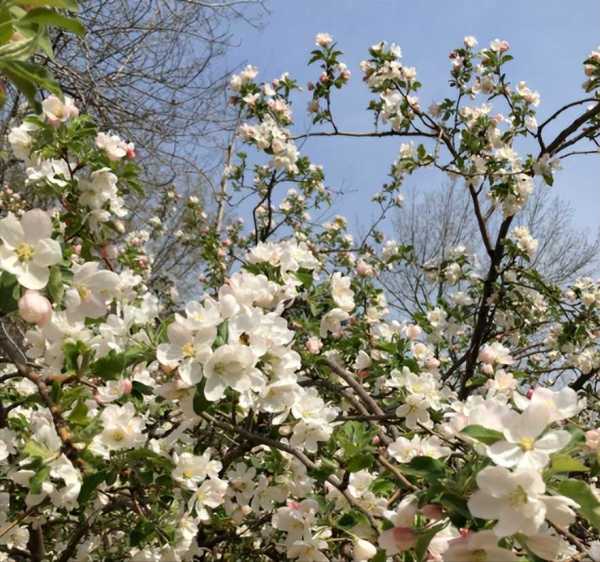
{"x": 188, "y": 350}
{"x": 517, "y": 497}
{"x": 527, "y": 443}
{"x": 24, "y": 252}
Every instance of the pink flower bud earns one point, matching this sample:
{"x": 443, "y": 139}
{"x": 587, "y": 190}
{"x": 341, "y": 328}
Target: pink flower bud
{"x": 413, "y": 331}
{"x": 126, "y": 386}
{"x": 323, "y": 78}
{"x": 487, "y": 369}
{"x": 364, "y": 269}
{"x": 130, "y": 151}
{"x": 530, "y": 393}
{"x": 35, "y": 308}
{"x": 397, "y": 539}
{"x": 592, "y": 439}
{"x": 432, "y": 363}
{"x": 432, "y": 511}
{"x": 77, "y": 249}
{"x": 314, "y": 345}
{"x": 487, "y": 355}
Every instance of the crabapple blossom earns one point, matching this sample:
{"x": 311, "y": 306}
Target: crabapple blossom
{"x": 288, "y": 396}
{"x": 35, "y": 308}
{"x": 58, "y": 111}
{"x": 27, "y": 249}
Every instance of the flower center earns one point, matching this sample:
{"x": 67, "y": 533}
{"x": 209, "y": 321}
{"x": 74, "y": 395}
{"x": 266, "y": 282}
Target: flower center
{"x": 188, "y": 473}
{"x": 118, "y": 435}
{"x": 84, "y": 293}
{"x": 517, "y": 497}
{"x": 24, "y": 252}
{"x": 188, "y": 350}
{"x": 527, "y": 443}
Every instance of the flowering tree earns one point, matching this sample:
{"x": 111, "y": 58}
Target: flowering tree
{"x": 285, "y": 414}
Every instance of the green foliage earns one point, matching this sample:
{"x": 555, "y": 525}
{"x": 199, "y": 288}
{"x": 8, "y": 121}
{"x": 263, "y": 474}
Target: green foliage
{"x": 355, "y": 438}
{"x": 24, "y": 31}
{"x": 10, "y": 291}
{"x": 579, "y": 491}
{"x": 483, "y": 434}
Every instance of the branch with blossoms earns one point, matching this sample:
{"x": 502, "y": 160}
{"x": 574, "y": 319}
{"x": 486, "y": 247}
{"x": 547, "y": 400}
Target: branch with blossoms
{"x": 282, "y": 412}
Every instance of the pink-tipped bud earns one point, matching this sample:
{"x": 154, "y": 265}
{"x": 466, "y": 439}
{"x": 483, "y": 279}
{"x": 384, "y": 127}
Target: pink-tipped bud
{"x": 126, "y": 386}
{"x": 413, "y": 331}
{"x": 487, "y": 355}
{"x": 487, "y": 369}
{"x": 398, "y": 539}
{"x": 432, "y": 511}
{"x": 35, "y": 308}
{"x": 530, "y": 393}
{"x": 364, "y": 269}
{"x": 130, "y": 151}
{"x": 314, "y": 345}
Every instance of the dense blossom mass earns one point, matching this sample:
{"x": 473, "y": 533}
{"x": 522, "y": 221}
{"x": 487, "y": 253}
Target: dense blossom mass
{"x": 284, "y": 411}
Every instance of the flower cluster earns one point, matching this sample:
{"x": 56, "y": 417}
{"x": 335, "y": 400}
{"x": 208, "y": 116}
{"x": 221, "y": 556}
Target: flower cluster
{"x": 286, "y": 408}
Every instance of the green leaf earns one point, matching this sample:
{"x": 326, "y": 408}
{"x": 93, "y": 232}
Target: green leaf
{"x": 325, "y": 469}
{"x": 8, "y": 288}
{"x": 113, "y": 364}
{"x": 201, "y": 404}
{"x": 425, "y": 467}
{"x": 305, "y": 277}
{"x": 56, "y": 287}
{"x": 351, "y": 519}
{"x": 580, "y": 492}
{"x": 89, "y": 485}
{"x": 222, "y": 334}
{"x": 46, "y": 17}
{"x": 78, "y": 415}
{"x": 36, "y": 450}
{"x": 566, "y": 463}
{"x": 483, "y": 434}
{"x": 73, "y": 351}
{"x": 477, "y": 381}
{"x": 359, "y": 462}
{"x": 36, "y": 481}
{"x": 355, "y": 438}
{"x": 549, "y": 179}
{"x": 424, "y": 539}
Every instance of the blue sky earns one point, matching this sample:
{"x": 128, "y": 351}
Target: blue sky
{"x": 549, "y": 40}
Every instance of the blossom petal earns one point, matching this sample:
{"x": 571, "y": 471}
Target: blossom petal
{"x": 495, "y": 481}
{"x": 553, "y": 441}
{"x": 11, "y": 230}
{"x": 504, "y": 453}
{"x": 33, "y": 276}
{"x": 47, "y": 252}
{"x": 36, "y": 225}
{"x": 483, "y": 505}
{"x": 214, "y": 389}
